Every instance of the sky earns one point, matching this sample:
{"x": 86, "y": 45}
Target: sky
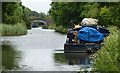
{"x": 37, "y": 5}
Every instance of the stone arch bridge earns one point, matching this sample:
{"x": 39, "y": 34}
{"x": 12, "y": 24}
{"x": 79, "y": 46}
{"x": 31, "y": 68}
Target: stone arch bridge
{"x": 46, "y": 22}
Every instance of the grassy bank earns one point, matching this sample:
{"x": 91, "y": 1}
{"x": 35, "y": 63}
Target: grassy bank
{"x": 12, "y": 30}
{"x": 108, "y": 58}
{"x": 59, "y": 29}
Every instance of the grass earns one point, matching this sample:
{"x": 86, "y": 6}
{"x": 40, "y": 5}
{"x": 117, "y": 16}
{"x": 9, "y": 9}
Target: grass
{"x": 59, "y": 29}
{"x": 12, "y": 30}
{"x": 108, "y": 58}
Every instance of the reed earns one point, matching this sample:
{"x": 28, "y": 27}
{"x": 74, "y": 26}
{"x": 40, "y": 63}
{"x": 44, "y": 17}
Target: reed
{"x": 12, "y": 30}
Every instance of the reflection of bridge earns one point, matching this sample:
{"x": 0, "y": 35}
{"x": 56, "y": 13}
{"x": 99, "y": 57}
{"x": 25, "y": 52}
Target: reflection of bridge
{"x": 46, "y": 22}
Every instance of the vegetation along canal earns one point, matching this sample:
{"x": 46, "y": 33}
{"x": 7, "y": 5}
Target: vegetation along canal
{"x": 40, "y": 50}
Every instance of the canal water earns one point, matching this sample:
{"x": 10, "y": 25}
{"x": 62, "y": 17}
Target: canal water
{"x": 40, "y": 50}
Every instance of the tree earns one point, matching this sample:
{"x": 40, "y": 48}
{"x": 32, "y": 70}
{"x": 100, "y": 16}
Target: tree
{"x": 11, "y": 12}
{"x": 63, "y": 12}
{"x": 26, "y": 15}
{"x": 42, "y": 15}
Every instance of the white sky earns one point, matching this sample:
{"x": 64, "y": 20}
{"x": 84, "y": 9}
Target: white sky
{"x": 37, "y": 5}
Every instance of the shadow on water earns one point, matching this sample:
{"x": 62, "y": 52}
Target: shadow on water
{"x": 59, "y": 58}
{"x": 73, "y": 59}
{"x": 78, "y": 58}
{"x": 10, "y": 57}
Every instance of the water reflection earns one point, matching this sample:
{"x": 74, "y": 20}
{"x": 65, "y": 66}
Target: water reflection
{"x": 59, "y": 58}
{"x": 73, "y": 58}
{"x": 78, "y": 58}
{"x": 10, "y": 57}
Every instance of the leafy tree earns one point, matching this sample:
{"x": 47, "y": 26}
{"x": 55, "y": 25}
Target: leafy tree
{"x": 11, "y": 12}
{"x": 63, "y": 12}
{"x": 34, "y": 13}
{"x": 42, "y": 15}
{"x": 25, "y": 17}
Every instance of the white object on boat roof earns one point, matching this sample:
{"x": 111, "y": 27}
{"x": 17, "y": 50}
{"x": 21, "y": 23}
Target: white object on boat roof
{"x": 89, "y": 21}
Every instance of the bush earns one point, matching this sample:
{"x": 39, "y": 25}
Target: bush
{"x": 59, "y": 29}
{"x": 108, "y": 57}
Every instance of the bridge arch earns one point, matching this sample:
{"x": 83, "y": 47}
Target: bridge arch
{"x": 38, "y": 21}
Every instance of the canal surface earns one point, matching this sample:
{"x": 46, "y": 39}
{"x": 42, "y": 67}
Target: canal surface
{"x": 40, "y": 50}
